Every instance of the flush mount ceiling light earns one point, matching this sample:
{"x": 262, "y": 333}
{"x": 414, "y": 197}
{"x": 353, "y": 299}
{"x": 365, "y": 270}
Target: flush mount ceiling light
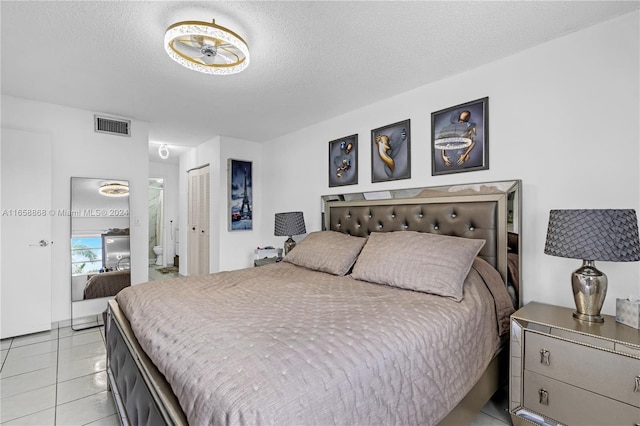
{"x": 206, "y": 47}
{"x": 163, "y": 151}
{"x": 114, "y": 190}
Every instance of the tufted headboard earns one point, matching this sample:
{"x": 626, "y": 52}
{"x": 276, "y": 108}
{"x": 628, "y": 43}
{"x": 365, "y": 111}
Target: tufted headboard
{"x": 480, "y": 216}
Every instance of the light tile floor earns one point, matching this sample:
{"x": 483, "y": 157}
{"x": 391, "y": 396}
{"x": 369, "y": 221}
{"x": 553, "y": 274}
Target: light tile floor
{"x": 58, "y": 378}
{"x": 155, "y": 274}
{"x": 55, "y": 378}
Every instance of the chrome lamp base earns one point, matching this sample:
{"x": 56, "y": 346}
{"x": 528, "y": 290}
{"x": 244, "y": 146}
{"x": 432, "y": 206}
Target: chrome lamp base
{"x": 289, "y": 245}
{"x": 589, "y": 291}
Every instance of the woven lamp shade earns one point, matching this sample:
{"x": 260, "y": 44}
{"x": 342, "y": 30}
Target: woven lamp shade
{"x": 290, "y": 223}
{"x": 606, "y": 235}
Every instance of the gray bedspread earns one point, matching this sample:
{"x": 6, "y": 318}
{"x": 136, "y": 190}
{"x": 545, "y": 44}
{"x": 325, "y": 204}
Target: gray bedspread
{"x": 284, "y": 345}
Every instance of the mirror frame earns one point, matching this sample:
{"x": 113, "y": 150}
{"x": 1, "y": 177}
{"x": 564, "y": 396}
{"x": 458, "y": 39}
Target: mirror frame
{"x": 101, "y": 214}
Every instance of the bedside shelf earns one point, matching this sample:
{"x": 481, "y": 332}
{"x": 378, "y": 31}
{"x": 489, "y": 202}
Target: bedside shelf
{"x": 266, "y": 261}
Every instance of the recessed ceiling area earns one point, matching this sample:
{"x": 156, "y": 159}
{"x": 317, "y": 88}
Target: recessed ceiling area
{"x": 310, "y": 60}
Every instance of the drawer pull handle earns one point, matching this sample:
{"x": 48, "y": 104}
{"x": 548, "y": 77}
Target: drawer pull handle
{"x": 636, "y": 389}
{"x": 544, "y": 397}
{"x": 545, "y": 356}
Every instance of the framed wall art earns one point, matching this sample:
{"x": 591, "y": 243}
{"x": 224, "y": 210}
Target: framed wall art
{"x": 343, "y": 161}
{"x": 240, "y": 195}
{"x": 460, "y": 138}
{"x": 391, "y": 152}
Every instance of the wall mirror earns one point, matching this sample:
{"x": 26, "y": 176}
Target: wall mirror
{"x": 100, "y": 249}
{"x": 511, "y": 190}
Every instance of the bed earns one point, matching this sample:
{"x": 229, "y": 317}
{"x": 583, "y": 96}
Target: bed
{"x": 348, "y": 329}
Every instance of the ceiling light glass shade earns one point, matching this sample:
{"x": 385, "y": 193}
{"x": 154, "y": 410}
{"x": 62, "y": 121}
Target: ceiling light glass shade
{"x": 206, "y": 47}
{"x": 163, "y": 151}
{"x": 114, "y": 190}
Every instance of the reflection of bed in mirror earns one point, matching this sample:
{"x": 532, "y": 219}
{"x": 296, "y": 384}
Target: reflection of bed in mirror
{"x": 114, "y": 265}
{"x": 106, "y": 284}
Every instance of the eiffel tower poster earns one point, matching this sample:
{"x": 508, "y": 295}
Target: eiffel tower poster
{"x": 240, "y": 195}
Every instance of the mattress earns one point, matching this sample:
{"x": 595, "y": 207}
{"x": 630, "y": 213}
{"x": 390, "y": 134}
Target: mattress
{"x": 282, "y": 344}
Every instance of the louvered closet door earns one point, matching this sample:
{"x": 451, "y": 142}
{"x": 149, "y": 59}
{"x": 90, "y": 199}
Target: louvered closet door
{"x": 203, "y": 221}
{"x": 192, "y": 247}
{"x": 198, "y": 242}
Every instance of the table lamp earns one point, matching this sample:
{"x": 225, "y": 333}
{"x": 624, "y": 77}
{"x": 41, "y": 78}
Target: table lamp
{"x": 289, "y": 224}
{"x": 590, "y": 235}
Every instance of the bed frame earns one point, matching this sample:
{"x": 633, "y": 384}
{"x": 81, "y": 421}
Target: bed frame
{"x": 143, "y": 396}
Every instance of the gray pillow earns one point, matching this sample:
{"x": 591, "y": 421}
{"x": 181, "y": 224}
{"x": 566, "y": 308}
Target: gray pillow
{"x": 430, "y": 263}
{"x": 327, "y": 251}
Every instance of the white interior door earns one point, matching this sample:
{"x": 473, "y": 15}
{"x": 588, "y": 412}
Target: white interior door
{"x": 25, "y": 256}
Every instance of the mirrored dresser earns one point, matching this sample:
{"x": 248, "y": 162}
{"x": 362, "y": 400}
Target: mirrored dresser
{"x": 565, "y": 371}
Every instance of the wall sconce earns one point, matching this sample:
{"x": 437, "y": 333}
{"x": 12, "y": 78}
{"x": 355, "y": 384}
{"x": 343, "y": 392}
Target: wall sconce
{"x": 163, "y": 151}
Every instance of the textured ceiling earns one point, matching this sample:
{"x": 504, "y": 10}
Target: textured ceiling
{"x": 310, "y": 61}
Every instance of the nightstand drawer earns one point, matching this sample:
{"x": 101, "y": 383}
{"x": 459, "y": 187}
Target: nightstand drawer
{"x": 571, "y": 405}
{"x": 599, "y": 371}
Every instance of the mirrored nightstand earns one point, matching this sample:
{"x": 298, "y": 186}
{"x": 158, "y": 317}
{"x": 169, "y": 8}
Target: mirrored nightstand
{"x": 565, "y": 371}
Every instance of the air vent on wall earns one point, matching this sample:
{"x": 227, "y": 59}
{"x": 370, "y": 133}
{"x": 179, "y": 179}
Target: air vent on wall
{"x": 112, "y": 126}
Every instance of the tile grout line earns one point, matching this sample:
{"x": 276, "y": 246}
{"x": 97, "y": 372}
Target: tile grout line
{"x": 5, "y": 358}
{"x": 58, "y": 366}
{"x": 55, "y": 406}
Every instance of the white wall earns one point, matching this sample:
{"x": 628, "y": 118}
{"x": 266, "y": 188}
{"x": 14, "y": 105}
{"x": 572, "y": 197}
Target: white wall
{"x": 170, "y": 173}
{"x": 79, "y": 151}
{"x": 563, "y": 117}
{"x": 228, "y": 249}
